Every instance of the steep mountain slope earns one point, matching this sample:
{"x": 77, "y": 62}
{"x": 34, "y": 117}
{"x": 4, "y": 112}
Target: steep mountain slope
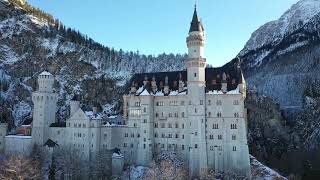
{"x": 281, "y": 61}
{"x": 32, "y": 41}
{"x": 281, "y": 57}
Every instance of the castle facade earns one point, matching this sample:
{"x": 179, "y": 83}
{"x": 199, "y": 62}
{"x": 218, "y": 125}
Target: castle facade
{"x": 198, "y": 113}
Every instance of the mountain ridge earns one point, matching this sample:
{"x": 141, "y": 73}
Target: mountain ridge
{"x": 34, "y": 39}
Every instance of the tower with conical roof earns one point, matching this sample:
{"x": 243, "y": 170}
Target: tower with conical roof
{"x": 196, "y": 64}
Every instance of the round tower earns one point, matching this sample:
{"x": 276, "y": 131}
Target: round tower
{"x": 44, "y": 110}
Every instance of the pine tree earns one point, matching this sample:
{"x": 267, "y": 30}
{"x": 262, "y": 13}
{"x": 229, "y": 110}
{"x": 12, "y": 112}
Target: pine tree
{"x": 52, "y": 170}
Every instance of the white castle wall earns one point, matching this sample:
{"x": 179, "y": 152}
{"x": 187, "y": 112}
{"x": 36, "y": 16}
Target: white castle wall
{"x": 18, "y": 145}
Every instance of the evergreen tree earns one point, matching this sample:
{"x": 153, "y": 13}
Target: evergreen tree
{"x": 52, "y": 170}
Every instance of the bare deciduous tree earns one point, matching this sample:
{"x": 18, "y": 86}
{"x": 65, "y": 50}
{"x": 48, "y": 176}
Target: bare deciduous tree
{"x": 20, "y": 167}
{"x": 166, "y": 171}
{"x": 101, "y": 167}
{"x": 207, "y": 173}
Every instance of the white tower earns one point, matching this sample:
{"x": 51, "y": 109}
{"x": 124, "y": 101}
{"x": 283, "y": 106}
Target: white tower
{"x": 44, "y": 101}
{"x": 196, "y": 65}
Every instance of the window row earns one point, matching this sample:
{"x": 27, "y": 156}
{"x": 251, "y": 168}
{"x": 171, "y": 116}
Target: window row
{"x": 131, "y": 135}
{"x": 135, "y": 113}
{"x": 162, "y": 114}
{"x": 78, "y": 125}
{"x": 168, "y": 136}
{"x": 163, "y": 125}
{"x": 211, "y": 136}
{"x": 79, "y": 135}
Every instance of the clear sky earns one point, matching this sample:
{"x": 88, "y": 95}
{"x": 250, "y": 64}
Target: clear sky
{"x": 157, "y": 26}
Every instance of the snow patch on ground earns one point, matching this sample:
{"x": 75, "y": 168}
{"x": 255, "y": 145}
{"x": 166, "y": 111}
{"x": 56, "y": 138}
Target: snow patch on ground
{"x": 134, "y": 173}
{"x": 38, "y": 22}
{"x": 262, "y": 172}
{"x": 10, "y": 57}
{"x": 260, "y": 58}
{"x": 292, "y": 47}
{"x": 67, "y": 47}
{"x": 14, "y": 26}
{"x": 20, "y": 111}
{"x": 51, "y": 45}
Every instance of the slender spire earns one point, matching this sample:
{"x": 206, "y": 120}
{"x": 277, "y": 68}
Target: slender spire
{"x": 196, "y": 25}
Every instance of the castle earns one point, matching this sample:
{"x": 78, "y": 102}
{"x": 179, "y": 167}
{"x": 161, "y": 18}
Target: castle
{"x": 199, "y": 113}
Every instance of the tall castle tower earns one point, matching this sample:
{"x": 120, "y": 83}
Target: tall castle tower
{"x": 44, "y": 101}
{"x": 196, "y": 64}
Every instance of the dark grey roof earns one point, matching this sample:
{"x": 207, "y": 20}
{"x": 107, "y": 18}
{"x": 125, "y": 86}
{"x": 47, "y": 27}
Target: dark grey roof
{"x": 76, "y": 97}
{"x": 213, "y": 79}
{"x": 58, "y": 124}
{"x": 196, "y": 25}
{"x": 50, "y": 143}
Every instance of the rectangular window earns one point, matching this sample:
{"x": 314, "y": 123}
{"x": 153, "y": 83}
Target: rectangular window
{"x": 182, "y": 147}
{"x": 144, "y": 121}
{"x": 163, "y": 125}
{"x": 201, "y": 102}
{"x": 220, "y": 136}
{"x": 233, "y": 137}
{"x": 211, "y": 136}
{"x": 156, "y": 125}
{"x": 196, "y": 146}
{"x": 195, "y": 74}
{"x": 234, "y": 148}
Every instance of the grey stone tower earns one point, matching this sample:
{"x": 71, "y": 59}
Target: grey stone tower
{"x": 196, "y": 64}
{"x": 44, "y": 101}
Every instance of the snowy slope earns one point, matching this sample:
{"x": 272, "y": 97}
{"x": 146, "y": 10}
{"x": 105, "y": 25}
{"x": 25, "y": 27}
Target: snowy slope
{"x": 258, "y": 170}
{"x": 273, "y": 32}
{"x": 34, "y": 41}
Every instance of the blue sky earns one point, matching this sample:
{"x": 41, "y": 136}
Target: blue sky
{"x": 157, "y": 26}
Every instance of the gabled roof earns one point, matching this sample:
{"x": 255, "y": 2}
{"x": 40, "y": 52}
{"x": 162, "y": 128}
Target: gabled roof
{"x": 50, "y": 143}
{"x": 79, "y": 115}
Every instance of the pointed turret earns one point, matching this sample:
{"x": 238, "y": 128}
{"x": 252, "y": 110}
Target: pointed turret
{"x": 196, "y": 24}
